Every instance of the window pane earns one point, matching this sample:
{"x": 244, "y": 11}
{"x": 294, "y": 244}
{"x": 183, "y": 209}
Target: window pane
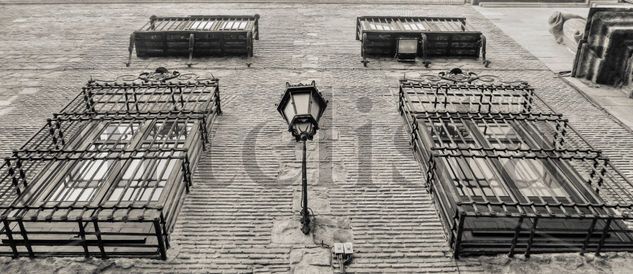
{"x": 452, "y": 135}
{"x": 532, "y": 178}
{"x": 118, "y": 132}
{"x": 380, "y": 26}
{"x": 170, "y": 131}
{"x": 408, "y": 46}
{"x": 502, "y": 135}
{"x": 144, "y": 179}
{"x": 82, "y": 181}
{"x": 86, "y": 176}
{"x": 474, "y": 177}
{"x": 301, "y": 103}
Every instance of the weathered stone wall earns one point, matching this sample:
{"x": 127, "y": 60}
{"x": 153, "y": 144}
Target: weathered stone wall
{"x": 242, "y": 213}
{"x": 605, "y": 54}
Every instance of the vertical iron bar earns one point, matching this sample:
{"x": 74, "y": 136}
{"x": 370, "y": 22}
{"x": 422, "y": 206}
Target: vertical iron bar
{"x": 204, "y": 130}
{"x": 182, "y": 100}
{"x": 91, "y": 102}
{"x": 127, "y": 101}
{"x": 603, "y": 236}
{"x": 99, "y": 241}
{"x": 60, "y": 133}
{"x": 217, "y": 99}
{"x": 531, "y": 238}
{"x": 173, "y": 98}
{"x": 130, "y": 49}
{"x": 14, "y": 179}
{"x": 191, "y": 44}
{"x": 164, "y": 223}
{"x": 27, "y": 243}
{"x": 585, "y": 244}
{"x": 135, "y": 99}
{"x": 203, "y": 135}
{"x": 159, "y": 237}
{"x": 82, "y": 234}
{"x": 51, "y": 131}
{"x": 7, "y": 230}
{"x": 186, "y": 172}
{"x": 517, "y": 231}
{"x": 20, "y": 171}
{"x": 86, "y": 98}
{"x": 460, "y": 230}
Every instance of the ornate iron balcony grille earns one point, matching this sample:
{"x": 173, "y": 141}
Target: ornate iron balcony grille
{"x": 196, "y": 35}
{"x": 509, "y": 175}
{"x": 437, "y": 36}
{"x": 105, "y": 176}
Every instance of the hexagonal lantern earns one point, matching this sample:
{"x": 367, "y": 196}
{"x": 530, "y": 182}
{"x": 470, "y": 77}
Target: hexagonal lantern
{"x": 302, "y": 106}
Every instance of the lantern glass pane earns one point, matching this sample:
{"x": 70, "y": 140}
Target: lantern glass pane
{"x": 289, "y": 111}
{"x": 407, "y": 46}
{"x": 303, "y": 128}
{"x": 302, "y": 101}
{"x": 315, "y": 107}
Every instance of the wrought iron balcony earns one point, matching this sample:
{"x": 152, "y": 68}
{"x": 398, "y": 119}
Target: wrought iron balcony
{"x": 426, "y": 37}
{"x": 196, "y": 35}
{"x": 509, "y": 175}
{"x": 106, "y": 176}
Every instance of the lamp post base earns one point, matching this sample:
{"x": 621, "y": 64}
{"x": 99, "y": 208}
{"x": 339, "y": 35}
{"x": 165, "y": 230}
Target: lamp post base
{"x": 305, "y": 223}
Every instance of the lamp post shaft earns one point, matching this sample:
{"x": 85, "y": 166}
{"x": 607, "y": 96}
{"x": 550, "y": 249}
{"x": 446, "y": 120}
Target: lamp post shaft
{"x": 305, "y": 215}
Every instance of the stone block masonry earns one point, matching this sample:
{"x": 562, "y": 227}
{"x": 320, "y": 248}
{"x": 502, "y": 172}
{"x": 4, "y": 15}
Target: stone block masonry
{"x": 244, "y": 185}
{"x": 605, "y": 52}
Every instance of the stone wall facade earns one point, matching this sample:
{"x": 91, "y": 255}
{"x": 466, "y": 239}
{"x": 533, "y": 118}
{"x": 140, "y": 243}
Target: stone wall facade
{"x": 605, "y": 52}
{"x": 242, "y": 213}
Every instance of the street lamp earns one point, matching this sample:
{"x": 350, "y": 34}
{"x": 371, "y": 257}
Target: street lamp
{"x": 302, "y": 106}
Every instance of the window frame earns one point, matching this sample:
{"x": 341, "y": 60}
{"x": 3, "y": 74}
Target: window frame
{"x": 46, "y": 184}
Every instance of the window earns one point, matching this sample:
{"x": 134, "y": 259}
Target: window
{"x": 81, "y": 182}
{"x": 502, "y": 175}
{"x": 474, "y": 178}
{"x": 110, "y": 168}
{"x": 168, "y": 134}
{"x": 532, "y": 178}
{"x": 144, "y": 180}
{"x": 85, "y": 177}
{"x": 407, "y": 46}
{"x": 452, "y": 135}
{"x": 116, "y": 135}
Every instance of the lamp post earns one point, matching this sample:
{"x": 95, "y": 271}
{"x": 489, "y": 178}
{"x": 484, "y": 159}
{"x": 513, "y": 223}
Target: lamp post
{"x": 302, "y": 106}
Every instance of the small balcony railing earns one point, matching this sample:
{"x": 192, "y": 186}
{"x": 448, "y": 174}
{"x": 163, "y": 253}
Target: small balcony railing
{"x": 408, "y": 37}
{"x": 196, "y": 35}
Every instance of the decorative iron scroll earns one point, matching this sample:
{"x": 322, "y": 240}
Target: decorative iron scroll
{"x": 457, "y": 75}
{"x": 160, "y": 75}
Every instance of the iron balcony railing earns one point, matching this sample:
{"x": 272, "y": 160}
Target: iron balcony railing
{"x": 196, "y": 35}
{"x": 509, "y": 175}
{"x": 106, "y": 176}
{"x": 433, "y": 37}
